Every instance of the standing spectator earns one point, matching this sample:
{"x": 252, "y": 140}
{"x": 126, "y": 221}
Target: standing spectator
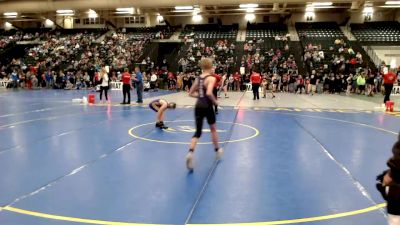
{"x": 139, "y": 85}
{"x": 126, "y": 86}
{"x": 14, "y": 78}
{"x": 179, "y": 82}
{"x": 153, "y": 81}
{"x": 313, "y": 84}
{"x": 370, "y": 84}
{"x": 349, "y": 82}
{"x": 300, "y": 84}
{"x": 49, "y": 79}
{"x": 264, "y": 85}
{"x": 231, "y": 81}
{"x": 224, "y": 85}
{"x": 275, "y": 83}
{"x": 388, "y": 81}
{"x": 185, "y": 80}
{"x": 255, "y": 83}
{"x": 361, "y": 84}
{"x": 104, "y": 84}
{"x": 86, "y": 79}
{"x": 236, "y": 85}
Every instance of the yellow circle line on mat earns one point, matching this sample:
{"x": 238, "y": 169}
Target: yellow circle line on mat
{"x": 104, "y": 222}
{"x": 256, "y": 133}
{"x": 276, "y": 222}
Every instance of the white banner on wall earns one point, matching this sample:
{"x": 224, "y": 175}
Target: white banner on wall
{"x": 3, "y": 84}
{"x": 116, "y": 86}
{"x": 396, "y": 90}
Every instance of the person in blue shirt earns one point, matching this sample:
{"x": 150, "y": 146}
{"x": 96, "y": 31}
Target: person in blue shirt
{"x": 14, "y": 78}
{"x": 139, "y": 84}
{"x": 49, "y": 79}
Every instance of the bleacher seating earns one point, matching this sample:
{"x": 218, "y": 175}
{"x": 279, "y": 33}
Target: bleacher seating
{"x": 377, "y": 31}
{"x": 153, "y": 32}
{"x": 209, "y": 31}
{"x": 265, "y": 30}
{"x": 319, "y": 30}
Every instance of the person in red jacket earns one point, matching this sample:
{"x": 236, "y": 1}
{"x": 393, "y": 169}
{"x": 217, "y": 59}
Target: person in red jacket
{"x": 215, "y": 90}
{"x": 255, "y": 79}
{"x": 126, "y": 86}
{"x": 388, "y": 81}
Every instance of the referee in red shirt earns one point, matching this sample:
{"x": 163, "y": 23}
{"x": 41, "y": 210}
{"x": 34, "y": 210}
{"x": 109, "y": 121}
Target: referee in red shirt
{"x": 388, "y": 81}
{"x": 126, "y": 86}
{"x": 255, "y": 79}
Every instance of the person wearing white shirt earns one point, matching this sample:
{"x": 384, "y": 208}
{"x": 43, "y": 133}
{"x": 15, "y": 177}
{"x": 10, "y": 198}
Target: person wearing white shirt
{"x": 104, "y": 84}
{"x": 153, "y": 81}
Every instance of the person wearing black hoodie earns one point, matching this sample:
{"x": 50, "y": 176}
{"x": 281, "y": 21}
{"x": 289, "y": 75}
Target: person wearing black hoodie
{"x": 388, "y": 184}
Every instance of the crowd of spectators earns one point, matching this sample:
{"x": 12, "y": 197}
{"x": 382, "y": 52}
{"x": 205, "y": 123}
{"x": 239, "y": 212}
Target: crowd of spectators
{"x": 223, "y": 52}
{"x": 71, "y": 61}
{"x": 338, "y": 57}
{"x": 7, "y": 38}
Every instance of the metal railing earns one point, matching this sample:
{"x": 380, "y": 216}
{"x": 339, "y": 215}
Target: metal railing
{"x": 373, "y": 56}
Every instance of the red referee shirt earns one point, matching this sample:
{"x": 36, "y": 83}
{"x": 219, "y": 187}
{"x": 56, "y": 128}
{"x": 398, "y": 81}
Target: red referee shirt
{"x": 126, "y": 78}
{"x": 389, "y": 78}
{"x": 218, "y": 80}
{"x": 255, "y": 78}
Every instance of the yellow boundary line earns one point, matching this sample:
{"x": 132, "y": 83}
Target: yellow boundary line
{"x": 277, "y": 222}
{"x": 256, "y": 133}
{"x": 104, "y": 222}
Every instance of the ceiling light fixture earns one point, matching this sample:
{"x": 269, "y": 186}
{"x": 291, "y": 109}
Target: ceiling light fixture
{"x": 390, "y": 6}
{"x": 246, "y": 6}
{"x": 125, "y": 10}
{"x": 188, "y": 7}
{"x": 309, "y": 8}
{"x": 392, "y": 3}
{"x": 92, "y": 14}
{"x": 321, "y": 3}
{"x": 368, "y": 10}
{"x": 10, "y": 14}
{"x": 65, "y": 11}
{"x": 250, "y": 17}
{"x": 197, "y": 18}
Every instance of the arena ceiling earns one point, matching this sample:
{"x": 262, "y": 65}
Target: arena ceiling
{"x": 31, "y": 9}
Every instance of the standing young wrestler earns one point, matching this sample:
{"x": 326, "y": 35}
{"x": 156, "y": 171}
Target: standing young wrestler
{"x": 159, "y": 106}
{"x": 202, "y": 89}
